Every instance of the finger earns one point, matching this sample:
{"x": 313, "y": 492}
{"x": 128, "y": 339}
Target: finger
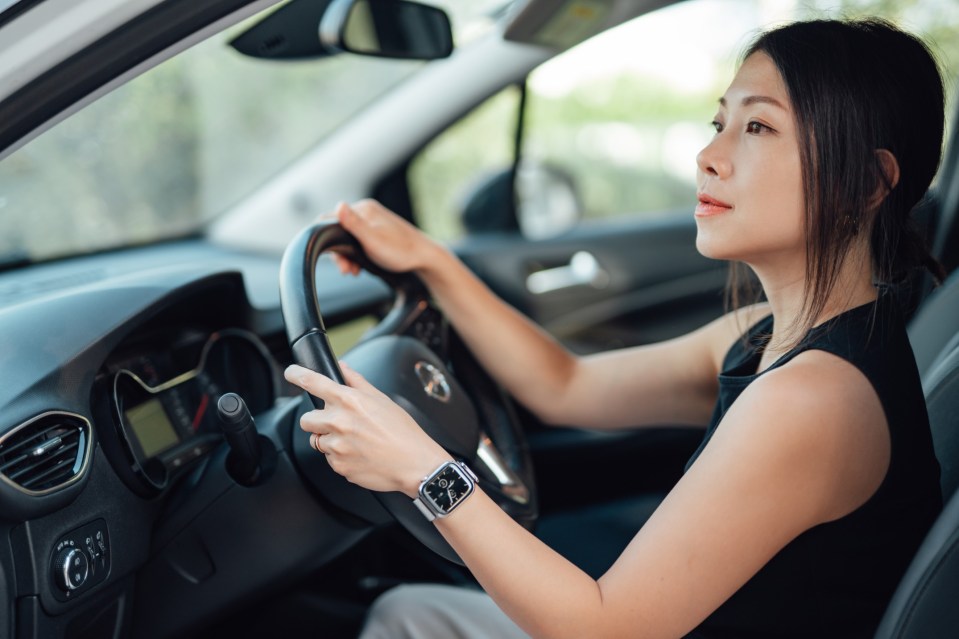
{"x": 347, "y": 217}
{"x": 342, "y": 208}
{"x": 344, "y": 264}
{"x": 312, "y": 382}
{"x": 364, "y": 208}
{"x": 320, "y": 422}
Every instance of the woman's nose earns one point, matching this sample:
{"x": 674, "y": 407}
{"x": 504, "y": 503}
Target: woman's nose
{"x": 713, "y": 160}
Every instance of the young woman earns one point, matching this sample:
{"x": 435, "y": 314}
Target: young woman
{"x": 816, "y": 479}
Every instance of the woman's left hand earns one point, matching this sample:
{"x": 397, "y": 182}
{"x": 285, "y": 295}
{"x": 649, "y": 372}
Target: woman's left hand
{"x": 365, "y": 436}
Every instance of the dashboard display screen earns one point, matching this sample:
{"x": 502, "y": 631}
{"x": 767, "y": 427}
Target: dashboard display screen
{"x": 152, "y": 427}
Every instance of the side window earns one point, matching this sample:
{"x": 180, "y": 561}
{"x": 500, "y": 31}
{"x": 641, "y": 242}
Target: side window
{"x": 623, "y": 115}
{"x": 612, "y": 127}
{"x": 477, "y": 148}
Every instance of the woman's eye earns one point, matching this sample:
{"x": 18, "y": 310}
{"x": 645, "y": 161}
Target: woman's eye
{"x": 757, "y": 128}
{"x": 717, "y": 125}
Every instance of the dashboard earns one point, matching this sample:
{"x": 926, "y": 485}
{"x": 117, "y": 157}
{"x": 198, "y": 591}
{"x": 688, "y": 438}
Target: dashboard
{"x": 112, "y": 367}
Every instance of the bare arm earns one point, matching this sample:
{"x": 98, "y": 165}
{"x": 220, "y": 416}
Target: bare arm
{"x": 751, "y": 492}
{"x": 671, "y": 382}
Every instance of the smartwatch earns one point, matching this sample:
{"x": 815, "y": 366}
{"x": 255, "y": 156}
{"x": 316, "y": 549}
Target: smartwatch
{"x": 444, "y": 489}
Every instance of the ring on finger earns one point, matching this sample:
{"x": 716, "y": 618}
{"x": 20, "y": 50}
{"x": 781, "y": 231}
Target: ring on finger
{"x": 315, "y": 443}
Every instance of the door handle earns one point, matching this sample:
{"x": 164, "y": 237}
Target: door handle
{"x": 583, "y": 270}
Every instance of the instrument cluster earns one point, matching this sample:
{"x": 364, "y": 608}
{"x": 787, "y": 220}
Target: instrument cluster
{"x": 163, "y": 397}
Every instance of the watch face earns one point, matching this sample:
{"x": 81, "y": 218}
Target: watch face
{"x": 447, "y": 488}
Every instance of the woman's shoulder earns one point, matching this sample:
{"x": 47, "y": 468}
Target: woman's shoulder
{"x": 826, "y": 403}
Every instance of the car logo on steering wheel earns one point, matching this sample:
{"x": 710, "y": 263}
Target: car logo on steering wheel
{"x": 433, "y": 381}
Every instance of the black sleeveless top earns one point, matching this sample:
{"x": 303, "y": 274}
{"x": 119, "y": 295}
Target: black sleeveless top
{"x": 835, "y": 579}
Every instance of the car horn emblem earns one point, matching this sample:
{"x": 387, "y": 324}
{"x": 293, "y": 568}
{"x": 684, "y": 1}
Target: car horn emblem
{"x": 433, "y": 381}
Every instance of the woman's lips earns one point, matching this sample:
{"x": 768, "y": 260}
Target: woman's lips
{"x": 710, "y": 206}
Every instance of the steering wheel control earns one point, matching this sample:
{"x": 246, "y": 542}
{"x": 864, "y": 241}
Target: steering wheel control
{"x": 81, "y": 560}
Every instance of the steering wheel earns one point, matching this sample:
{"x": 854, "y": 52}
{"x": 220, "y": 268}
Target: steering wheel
{"x": 474, "y": 421}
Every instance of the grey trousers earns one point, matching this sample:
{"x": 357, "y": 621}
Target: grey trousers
{"x": 437, "y": 612}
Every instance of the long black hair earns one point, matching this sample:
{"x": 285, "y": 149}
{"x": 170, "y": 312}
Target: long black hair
{"x": 858, "y": 87}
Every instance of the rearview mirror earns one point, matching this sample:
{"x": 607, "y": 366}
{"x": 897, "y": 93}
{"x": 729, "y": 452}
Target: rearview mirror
{"x": 387, "y": 29}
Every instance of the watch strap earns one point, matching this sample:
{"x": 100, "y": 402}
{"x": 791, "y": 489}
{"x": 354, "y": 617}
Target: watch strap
{"x": 423, "y": 508}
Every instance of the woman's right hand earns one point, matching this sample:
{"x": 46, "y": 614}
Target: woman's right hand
{"x": 387, "y": 239}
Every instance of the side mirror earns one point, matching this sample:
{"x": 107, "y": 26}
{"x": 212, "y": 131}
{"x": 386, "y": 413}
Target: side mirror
{"x": 387, "y": 29}
{"x": 544, "y": 204}
{"x": 547, "y": 202}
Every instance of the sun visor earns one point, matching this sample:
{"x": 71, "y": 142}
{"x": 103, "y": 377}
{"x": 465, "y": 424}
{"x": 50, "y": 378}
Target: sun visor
{"x": 561, "y": 24}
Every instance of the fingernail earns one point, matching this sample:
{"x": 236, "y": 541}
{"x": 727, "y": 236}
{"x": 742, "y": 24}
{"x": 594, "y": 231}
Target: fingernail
{"x": 293, "y": 373}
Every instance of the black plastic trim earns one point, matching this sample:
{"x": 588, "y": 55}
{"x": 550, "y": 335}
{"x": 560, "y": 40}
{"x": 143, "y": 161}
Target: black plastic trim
{"x": 16, "y": 10}
{"x": 112, "y": 55}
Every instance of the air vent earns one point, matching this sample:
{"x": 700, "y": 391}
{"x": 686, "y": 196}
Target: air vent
{"x": 45, "y": 454}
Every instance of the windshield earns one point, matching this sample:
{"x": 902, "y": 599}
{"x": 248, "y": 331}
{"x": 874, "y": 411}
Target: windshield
{"x": 161, "y": 155}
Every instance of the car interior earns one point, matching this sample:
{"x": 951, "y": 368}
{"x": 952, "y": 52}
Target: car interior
{"x": 165, "y": 170}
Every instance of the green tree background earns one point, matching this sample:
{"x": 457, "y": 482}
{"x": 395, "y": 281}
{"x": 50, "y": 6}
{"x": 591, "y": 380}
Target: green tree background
{"x": 167, "y": 151}
{"x": 557, "y": 128}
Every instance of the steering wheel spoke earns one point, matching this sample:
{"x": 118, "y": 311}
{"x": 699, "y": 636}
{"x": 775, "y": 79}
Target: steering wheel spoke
{"x": 494, "y": 469}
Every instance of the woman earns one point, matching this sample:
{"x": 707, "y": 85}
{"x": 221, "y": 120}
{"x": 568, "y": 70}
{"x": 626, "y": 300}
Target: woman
{"x": 816, "y": 479}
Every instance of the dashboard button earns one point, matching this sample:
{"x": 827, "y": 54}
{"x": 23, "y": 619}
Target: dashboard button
{"x": 80, "y": 561}
{"x": 72, "y": 567}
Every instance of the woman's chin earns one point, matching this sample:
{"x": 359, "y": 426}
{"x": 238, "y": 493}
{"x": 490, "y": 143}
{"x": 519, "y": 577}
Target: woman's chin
{"x": 711, "y": 248}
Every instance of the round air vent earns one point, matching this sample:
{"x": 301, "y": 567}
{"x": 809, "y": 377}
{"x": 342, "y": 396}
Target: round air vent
{"x": 45, "y": 454}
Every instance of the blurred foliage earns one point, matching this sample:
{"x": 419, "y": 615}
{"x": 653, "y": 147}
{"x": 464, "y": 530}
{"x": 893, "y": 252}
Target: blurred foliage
{"x": 618, "y": 138}
{"x": 628, "y": 140}
{"x": 183, "y": 142}
{"x": 172, "y": 148}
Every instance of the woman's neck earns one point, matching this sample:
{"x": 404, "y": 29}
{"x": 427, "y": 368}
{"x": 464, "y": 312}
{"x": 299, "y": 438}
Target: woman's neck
{"x": 785, "y": 289}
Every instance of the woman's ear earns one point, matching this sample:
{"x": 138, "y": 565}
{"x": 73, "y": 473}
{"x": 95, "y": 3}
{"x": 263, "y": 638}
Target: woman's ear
{"x": 889, "y": 177}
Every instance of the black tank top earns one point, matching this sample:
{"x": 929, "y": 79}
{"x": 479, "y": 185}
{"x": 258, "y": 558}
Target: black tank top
{"x": 835, "y": 579}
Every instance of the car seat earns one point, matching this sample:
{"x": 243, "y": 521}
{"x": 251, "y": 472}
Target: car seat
{"x": 935, "y": 323}
{"x": 924, "y": 605}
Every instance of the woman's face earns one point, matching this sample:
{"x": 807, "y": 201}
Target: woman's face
{"x": 750, "y": 177}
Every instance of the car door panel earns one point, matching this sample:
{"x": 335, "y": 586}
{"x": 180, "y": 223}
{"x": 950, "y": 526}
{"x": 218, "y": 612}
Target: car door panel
{"x": 655, "y": 284}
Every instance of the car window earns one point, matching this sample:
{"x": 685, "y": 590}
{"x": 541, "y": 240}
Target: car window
{"x": 620, "y": 118}
{"x": 444, "y": 173}
{"x": 176, "y": 145}
{"x": 161, "y": 155}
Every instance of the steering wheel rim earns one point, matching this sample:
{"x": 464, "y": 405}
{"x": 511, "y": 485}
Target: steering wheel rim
{"x": 507, "y": 478}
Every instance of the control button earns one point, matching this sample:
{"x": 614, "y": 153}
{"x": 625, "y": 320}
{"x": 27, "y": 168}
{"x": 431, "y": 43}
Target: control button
{"x": 80, "y": 560}
{"x": 71, "y": 569}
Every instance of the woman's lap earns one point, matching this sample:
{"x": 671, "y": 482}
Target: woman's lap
{"x": 437, "y": 612}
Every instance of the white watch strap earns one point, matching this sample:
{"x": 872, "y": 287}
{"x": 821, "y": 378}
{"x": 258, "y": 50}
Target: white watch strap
{"x": 429, "y": 514}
